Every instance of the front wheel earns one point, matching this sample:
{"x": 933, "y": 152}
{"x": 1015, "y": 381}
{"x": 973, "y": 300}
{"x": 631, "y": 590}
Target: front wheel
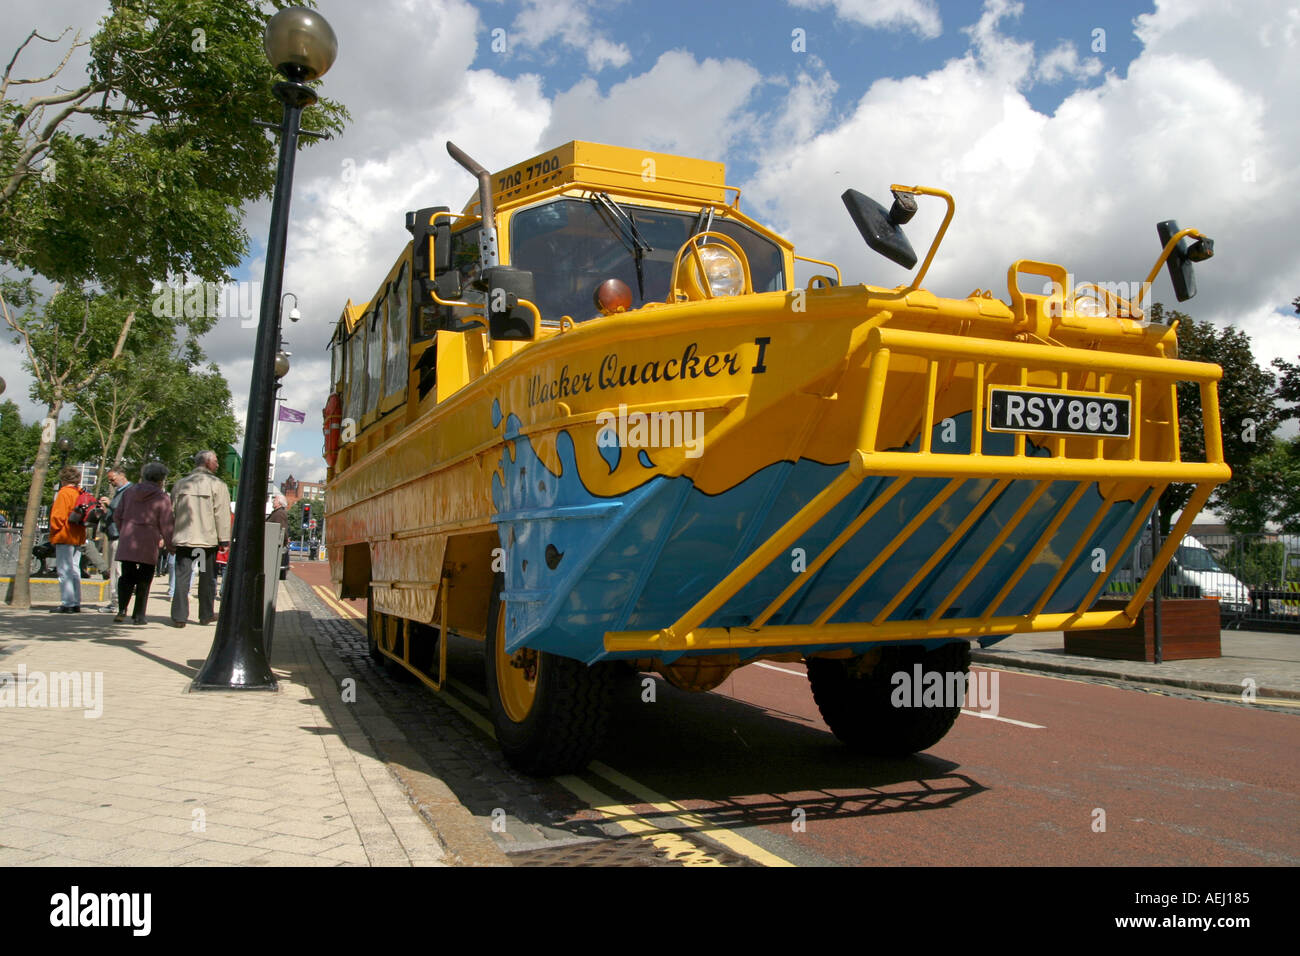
{"x": 873, "y": 709}
{"x": 550, "y": 712}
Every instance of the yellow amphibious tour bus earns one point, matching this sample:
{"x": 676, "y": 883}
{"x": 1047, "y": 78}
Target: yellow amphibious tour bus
{"x": 591, "y": 421}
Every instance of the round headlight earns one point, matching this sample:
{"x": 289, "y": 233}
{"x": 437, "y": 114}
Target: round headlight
{"x": 722, "y": 270}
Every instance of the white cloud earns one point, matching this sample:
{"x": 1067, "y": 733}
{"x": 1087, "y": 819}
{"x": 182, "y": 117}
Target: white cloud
{"x": 543, "y": 23}
{"x": 302, "y": 467}
{"x": 1199, "y": 130}
{"x": 1063, "y": 61}
{"x": 679, "y": 105}
{"x": 919, "y": 16}
{"x": 807, "y": 105}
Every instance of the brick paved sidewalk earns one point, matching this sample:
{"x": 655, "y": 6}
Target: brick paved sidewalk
{"x": 166, "y": 777}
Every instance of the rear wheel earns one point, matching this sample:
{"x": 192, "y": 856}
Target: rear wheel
{"x": 550, "y": 712}
{"x": 857, "y": 700}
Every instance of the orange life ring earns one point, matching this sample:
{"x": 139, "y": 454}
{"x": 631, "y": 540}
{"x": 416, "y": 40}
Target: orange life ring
{"x": 333, "y": 424}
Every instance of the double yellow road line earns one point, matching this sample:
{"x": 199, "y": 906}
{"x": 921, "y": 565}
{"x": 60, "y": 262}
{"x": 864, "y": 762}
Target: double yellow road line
{"x": 682, "y": 819}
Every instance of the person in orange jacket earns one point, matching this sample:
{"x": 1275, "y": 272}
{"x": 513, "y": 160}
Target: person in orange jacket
{"x": 67, "y": 539}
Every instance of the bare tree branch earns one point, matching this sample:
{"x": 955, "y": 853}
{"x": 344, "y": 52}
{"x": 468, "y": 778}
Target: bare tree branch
{"x": 117, "y": 351}
{"x": 27, "y": 341}
{"x": 22, "y": 167}
{"x": 4, "y": 85}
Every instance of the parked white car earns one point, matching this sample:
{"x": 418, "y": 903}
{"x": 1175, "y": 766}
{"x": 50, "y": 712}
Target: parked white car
{"x": 1194, "y": 570}
{"x": 1196, "y": 567}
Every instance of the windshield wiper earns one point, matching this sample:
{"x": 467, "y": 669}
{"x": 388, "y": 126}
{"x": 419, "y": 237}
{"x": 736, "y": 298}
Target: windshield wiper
{"x": 625, "y": 226}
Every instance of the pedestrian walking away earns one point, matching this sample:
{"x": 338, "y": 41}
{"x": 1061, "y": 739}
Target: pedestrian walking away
{"x": 117, "y": 478}
{"x": 201, "y": 502}
{"x": 144, "y": 520}
{"x": 68, "y": 536}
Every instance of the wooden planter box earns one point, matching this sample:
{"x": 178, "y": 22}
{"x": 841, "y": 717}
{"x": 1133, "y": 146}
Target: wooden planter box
{"x": 1189, "y": 630}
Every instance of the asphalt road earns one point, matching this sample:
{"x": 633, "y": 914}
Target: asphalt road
{"x": 1070, "y": 773}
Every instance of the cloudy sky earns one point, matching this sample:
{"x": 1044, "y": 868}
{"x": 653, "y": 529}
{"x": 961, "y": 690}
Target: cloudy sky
{"x": 1065, "y": 132}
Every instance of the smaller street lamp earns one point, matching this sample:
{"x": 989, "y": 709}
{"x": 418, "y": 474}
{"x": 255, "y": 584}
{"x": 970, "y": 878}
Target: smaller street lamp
{"x": 64, "y": 447}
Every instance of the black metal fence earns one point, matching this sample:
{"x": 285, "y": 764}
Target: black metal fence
{"x": 1254, "y": 577}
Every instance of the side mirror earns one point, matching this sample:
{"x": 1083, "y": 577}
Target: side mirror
{"x": 881, "y": 228}
{"x": 507, "y": 319}
{"x": 1181, "y": 271}
{"x": 441, "y": 243}
{"x": 419, "y": 225}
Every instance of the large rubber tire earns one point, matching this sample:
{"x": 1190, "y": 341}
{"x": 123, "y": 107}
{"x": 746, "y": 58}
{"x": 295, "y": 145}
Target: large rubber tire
{"x": 858, "y": 708}
{"x": 569, "y": 713}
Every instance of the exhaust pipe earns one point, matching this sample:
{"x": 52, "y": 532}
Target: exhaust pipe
{"x": 488, "y": 237}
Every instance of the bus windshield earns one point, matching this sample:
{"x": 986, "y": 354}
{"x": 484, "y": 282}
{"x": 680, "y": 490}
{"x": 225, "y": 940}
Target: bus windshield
{"x": 571, "y": 247}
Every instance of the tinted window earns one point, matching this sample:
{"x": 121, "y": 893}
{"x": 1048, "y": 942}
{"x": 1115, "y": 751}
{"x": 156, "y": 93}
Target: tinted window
{"x": 356, "y": 373}
{"x": 571, "y": 247}
{"x": 395, "y": 359}
{"x": 374, "y": 330}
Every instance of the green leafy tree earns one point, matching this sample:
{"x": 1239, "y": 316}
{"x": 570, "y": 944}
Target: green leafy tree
{"x": 68, "y": 341}
{"x": 1246, "y": 407}
{"x": 131, "y": 410}
{"x": 1288, "y": 386}
{"x": 18, "y": 446}
{"x": 1269, "y": 491}
{"x": 199, "y": 416}
{"x": 158, "y": 138}
{"x": 132, "y": 173}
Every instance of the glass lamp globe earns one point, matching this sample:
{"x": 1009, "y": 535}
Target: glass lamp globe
{"x": 300, "y": 44}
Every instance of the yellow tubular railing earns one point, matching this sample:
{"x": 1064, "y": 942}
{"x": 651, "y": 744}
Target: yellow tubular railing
{"x": 839, "y": 279}
{"x": 1025, "y": 507}
{"x": 833, "y": 548}
{"x": 1139, "y": 519}
{"x": 1119, "y": 475}
{"x": 888, "y": 551}
{"x": 1052, "y": 526}
{"x": 990, "y": 496}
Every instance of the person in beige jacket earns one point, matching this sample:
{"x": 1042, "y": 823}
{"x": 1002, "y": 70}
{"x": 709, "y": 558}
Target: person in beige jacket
{"x": 201, "y": 502}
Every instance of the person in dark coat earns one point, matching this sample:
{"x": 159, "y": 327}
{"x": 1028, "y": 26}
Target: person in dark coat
{"x": 280, "y": 515}
{"x": 144, "y": 518}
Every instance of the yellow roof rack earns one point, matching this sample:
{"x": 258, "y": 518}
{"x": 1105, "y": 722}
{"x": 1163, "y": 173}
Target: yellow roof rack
{"x": 610, "y": 167}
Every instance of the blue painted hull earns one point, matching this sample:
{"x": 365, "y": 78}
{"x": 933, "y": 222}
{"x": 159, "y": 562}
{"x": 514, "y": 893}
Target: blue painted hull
{"x": 580, "y": 565}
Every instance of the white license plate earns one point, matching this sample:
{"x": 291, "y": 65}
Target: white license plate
{"x": 1059, "y": 413}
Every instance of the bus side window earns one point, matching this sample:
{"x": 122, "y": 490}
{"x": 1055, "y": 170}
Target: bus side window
{"x": 396, "y": 354}
{"x": 337, "y": 360}
{"x": 356, "y": 346}
{"x": 374, "y": 331}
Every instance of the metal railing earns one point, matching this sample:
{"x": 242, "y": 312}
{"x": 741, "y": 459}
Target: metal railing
{"x": 1254, "y": 577}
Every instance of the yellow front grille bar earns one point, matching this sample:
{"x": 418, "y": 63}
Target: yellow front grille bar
{"x": 867, "y": 460}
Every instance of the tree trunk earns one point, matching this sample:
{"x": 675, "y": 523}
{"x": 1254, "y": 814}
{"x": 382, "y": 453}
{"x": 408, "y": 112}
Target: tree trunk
{"x": 22, "y": 592}
{"x": 132, "y": 427}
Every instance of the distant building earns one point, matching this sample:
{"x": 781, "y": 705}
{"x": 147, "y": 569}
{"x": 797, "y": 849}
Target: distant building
{"x": 295, "y": 490}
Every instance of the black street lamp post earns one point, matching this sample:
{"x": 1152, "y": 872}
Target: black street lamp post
{"x": 65, "y": 446}
{"x": 301, "y": 46}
